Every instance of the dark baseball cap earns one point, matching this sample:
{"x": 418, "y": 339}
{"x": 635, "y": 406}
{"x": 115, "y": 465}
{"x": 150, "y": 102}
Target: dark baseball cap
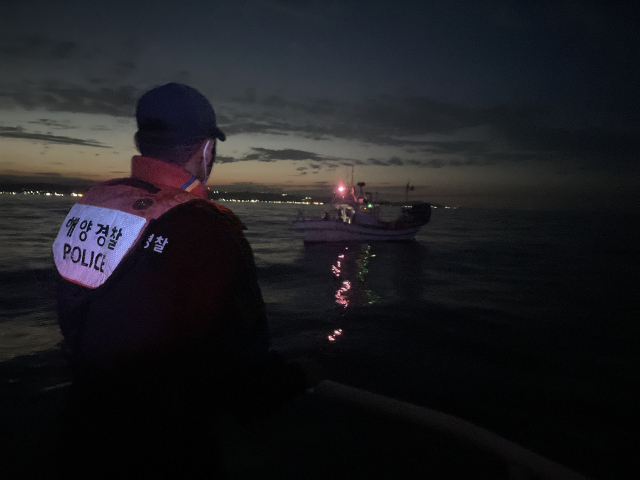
{"x": 175, "y": 114}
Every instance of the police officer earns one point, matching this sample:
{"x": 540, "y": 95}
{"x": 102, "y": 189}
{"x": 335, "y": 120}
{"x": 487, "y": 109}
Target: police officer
{"x": 160, "y": 308}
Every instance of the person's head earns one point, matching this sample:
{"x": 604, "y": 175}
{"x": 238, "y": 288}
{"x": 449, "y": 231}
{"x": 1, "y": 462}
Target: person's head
{"x": 177, "y": 124}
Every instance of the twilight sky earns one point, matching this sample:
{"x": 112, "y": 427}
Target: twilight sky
{"x": 496, "y": 103}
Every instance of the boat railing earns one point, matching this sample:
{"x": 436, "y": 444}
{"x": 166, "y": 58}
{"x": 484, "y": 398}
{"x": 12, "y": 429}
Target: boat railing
{"x": 522, "y": 463}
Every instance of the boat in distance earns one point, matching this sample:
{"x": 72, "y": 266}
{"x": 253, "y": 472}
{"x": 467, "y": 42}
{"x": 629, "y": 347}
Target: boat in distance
{"x": 355, "y": 218}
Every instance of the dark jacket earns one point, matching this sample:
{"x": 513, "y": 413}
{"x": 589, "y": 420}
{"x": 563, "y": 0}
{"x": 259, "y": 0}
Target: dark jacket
{"x": 181, "y": 317}
{"x": 174, "y": 334}
{"x": 187, "y": 284}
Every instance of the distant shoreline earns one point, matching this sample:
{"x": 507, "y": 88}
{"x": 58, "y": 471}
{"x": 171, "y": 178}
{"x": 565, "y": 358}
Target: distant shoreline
{"x": 47, "y": 189}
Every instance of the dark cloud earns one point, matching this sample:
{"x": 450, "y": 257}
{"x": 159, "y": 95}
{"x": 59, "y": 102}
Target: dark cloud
{"x": 439, "y": 162}
{"x": 322, "y": 106}
{"x": 274, "y": 101}
{"x": 55, "y": 96}
{"x": 56, "y": 124}
{"x": 224, "y": 159}
{"x": 37, "y": 47}
{"x": 247, "y": 186}
{"x": 513, "y": 156}
{"x": 373, "y": 119}
{"x": 384, "y": 120}
{"x": 455, "y": 146}
{"x": 42, "y": 177}
{"x": 375, "y": 161}
{"x": 249, "y": 97}
{"x": 593, "y": 148}
{"x": 108, "y": 64}
{"x": 124, "y": 68}
{"x": 287, "y": 154}
{"x": 20, "y": 133}
{"x": 433, "y": 163}
{"x": 602, "y": 138}
{"x": 467, "y": 162}
{"x": 414, "y": 115}
{"x": 267, "y": 155}
{"x": 314, "y": 106}
{"x": 523, "y": 132}
{"x": 236, "y": 128}
{"x": 394, "y": 161}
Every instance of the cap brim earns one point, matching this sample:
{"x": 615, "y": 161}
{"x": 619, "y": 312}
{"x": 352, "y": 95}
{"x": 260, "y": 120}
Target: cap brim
{"x": 217, "y": 133}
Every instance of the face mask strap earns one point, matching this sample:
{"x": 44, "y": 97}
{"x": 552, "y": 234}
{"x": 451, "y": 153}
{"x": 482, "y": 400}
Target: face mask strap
{"x": 204, "y": 163}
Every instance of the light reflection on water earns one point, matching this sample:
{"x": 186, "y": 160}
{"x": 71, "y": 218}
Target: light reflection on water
{"x": 350, "y": 271}
{"x": 489, "y": 260}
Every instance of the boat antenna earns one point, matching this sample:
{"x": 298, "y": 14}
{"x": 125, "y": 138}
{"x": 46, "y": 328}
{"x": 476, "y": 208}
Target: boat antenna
{"x": 408, "y": 188}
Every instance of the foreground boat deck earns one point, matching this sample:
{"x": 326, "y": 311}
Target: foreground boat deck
{"x": 317, "y": 436}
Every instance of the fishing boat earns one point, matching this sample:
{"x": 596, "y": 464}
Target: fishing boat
{"x": 355, "y": 217}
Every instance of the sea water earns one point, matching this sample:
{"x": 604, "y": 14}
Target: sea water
{"x": 523, "y": 322}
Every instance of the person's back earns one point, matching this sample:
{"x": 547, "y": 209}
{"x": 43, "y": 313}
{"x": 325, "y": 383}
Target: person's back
{"x": 159, "y": 305}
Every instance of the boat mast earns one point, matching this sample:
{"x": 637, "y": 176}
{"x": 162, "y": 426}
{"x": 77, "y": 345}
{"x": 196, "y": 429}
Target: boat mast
{"x": 408, "y": 188}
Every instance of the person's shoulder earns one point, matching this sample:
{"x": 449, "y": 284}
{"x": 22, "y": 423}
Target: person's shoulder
{"x": 207, "y": 212}
{"x": 117, "y": 188}
{"x": 229, "y": 216}
{"x": 201, "y": 226}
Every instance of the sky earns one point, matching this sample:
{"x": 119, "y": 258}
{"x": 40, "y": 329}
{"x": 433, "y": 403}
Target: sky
{"x": 499, "y": 104}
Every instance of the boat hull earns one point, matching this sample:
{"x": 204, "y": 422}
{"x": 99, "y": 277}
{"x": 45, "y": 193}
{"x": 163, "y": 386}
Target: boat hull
{"x": 316, "y": 231}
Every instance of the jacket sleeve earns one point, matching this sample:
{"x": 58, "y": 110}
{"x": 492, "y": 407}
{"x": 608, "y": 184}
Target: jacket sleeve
{"x": 212, "y": 283}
